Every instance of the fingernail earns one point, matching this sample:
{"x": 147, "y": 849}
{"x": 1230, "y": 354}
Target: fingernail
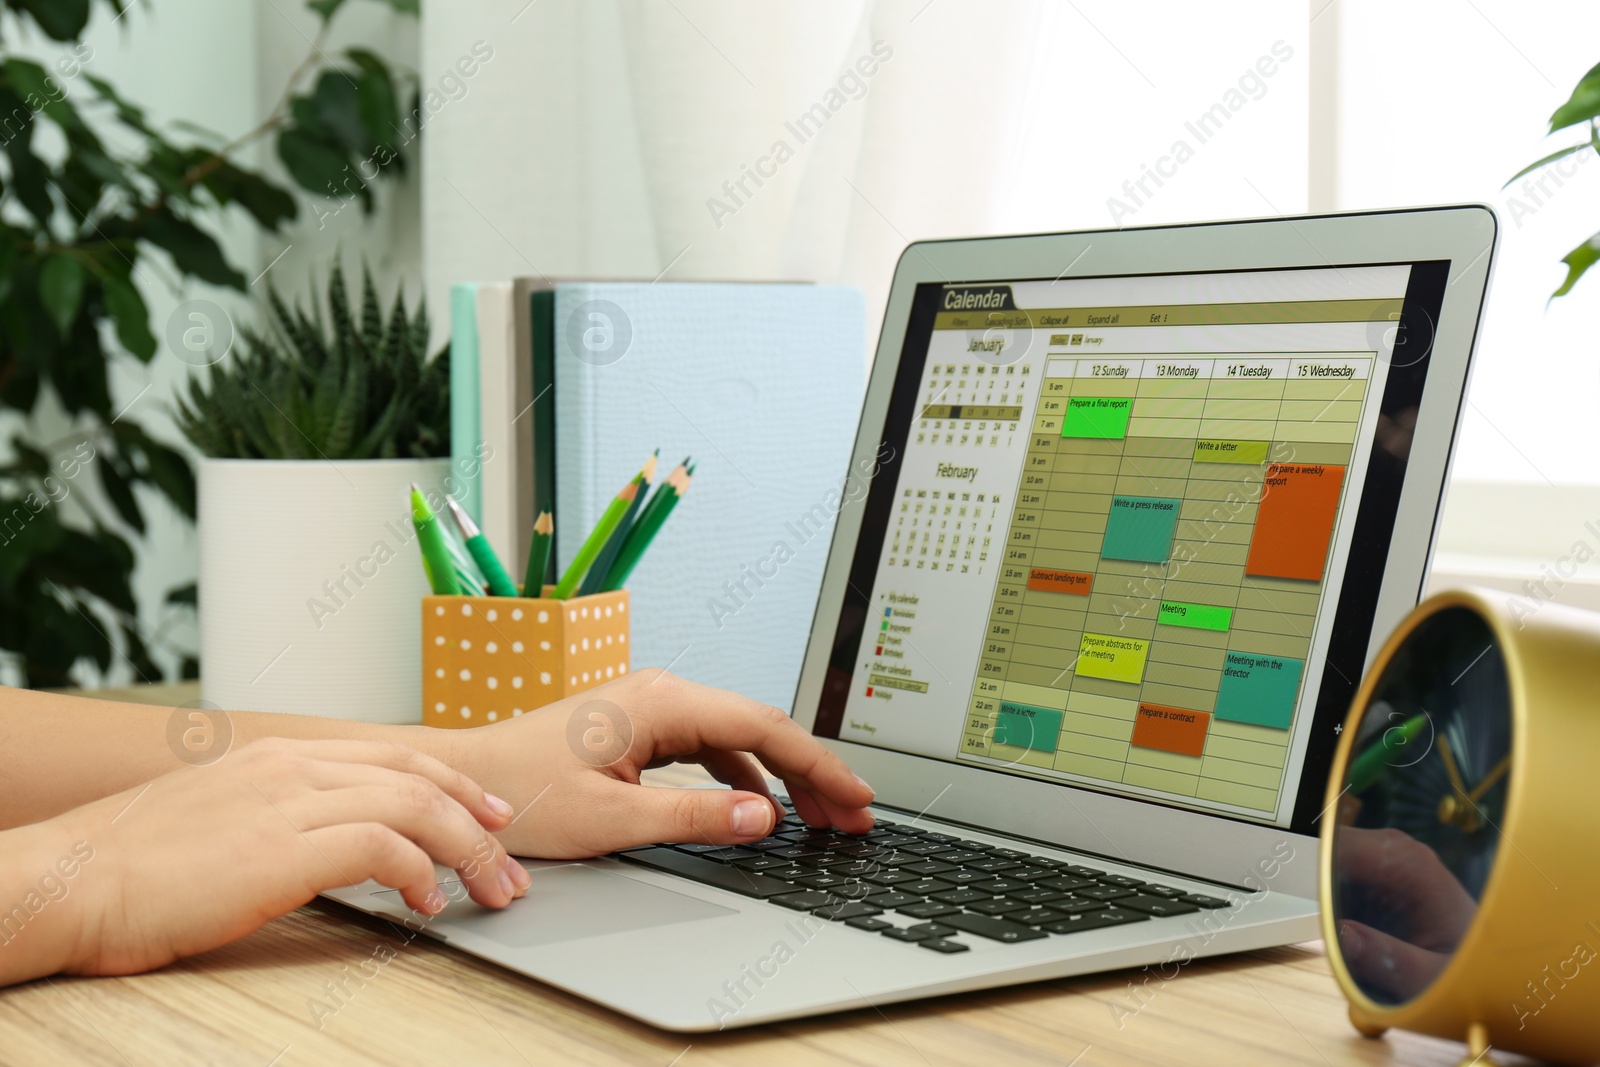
{"x": 519, "y": 873}
{"x": 505, "y": 883}
{"x": 863, "y": 783}
{"x": 496, "y": 805}
{"x": 434, "y": 902}
{"x": 751, "y": 817}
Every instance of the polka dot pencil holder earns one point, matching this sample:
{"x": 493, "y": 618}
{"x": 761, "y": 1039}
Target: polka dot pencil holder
{"x": 485, "y": 659}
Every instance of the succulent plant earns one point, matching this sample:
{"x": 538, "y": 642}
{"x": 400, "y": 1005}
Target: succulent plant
{"x": 328, "y": 385}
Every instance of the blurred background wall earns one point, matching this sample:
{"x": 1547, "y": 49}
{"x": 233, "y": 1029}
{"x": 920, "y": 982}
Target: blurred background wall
{"x": 705, "y": 139}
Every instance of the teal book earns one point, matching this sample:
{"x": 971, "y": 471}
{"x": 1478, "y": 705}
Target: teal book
{"x": 499, "y": 368}
{"x": 465, "y": 413}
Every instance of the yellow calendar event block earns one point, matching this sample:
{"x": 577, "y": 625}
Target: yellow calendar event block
{"x": 1116, "y": 659}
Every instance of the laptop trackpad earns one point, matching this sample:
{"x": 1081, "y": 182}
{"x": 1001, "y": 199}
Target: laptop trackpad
{"x": 571, "y": 902}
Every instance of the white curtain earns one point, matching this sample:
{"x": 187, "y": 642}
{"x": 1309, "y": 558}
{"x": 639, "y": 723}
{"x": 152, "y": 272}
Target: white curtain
{"x": 713, "y": 140}
{"x": 807, "y": 141}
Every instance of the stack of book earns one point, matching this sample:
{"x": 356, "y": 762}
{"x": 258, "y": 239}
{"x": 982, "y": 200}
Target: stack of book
{"x": 558, "y": 385}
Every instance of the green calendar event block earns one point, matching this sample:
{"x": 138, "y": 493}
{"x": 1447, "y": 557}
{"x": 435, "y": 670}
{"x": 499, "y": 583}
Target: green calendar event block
{"x": 1195, "y": 616}
{"x": 1102, "y": 417}
{"x": 1026, "y": 726}
{"x": 1259, "y": 689}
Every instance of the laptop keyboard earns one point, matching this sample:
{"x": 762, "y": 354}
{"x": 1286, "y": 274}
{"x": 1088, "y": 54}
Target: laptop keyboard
{"x": 921, "y": 887}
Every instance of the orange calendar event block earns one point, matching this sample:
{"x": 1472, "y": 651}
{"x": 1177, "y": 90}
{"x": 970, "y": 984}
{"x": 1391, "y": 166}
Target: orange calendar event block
{"x": 1175, "y": 730}
{"x": 1049, "y": 581}
{"x": 1294, "y": 523}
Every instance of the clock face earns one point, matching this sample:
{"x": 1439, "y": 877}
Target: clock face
{"x": 1420, "y": 819}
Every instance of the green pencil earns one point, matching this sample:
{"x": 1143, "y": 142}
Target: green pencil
{"x": 645, "y": 530}
{"x": 609, "y": 520}
{"x": 436, "y": 561}
{"x": 500, "y": 583}
{"x": 602, "y": 563}
{"x": 649, "y": 508}
{"x": 661, "y": 492}
{"x": 538, "y": 555}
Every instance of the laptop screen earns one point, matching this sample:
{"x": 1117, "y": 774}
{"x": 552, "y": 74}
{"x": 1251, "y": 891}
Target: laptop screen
{"x": 1126, "y": 533}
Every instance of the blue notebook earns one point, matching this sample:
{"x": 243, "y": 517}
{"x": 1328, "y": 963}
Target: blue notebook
{"x": 762, "y": 384}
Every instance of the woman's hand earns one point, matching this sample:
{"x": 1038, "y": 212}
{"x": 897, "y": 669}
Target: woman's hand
{"x": 571, "y": 769}
{"x": 1420, "y": 899}
{"x": 202, "y": 856}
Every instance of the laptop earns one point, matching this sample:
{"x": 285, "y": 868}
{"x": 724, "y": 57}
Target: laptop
{"x": 1128, "y": 514}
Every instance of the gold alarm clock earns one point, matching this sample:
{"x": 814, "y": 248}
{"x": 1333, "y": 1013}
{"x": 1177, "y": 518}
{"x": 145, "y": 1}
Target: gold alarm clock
{"x": 1460, "y": 845}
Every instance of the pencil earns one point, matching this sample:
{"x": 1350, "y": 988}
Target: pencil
{"x": 610, "y": 519}
{"x": 602, "y": 563}
{"x": 641, "y": 508}
{"x": 645, "y": 530}
{"x": 538, "y": 555}
{"x": 662, "y": 491}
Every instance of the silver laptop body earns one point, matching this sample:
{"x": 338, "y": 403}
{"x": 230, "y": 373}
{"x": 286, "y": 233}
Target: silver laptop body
{"x": 1047, "y": 624}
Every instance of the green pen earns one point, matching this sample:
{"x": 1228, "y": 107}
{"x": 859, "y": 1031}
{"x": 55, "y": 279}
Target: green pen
{"x": 436, "y": 561}
{"x": 500, "y": 583}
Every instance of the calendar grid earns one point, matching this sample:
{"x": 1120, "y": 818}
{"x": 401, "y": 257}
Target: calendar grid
{"x": 1161, "y": 570}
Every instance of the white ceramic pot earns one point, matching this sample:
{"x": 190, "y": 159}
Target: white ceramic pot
{"x": 311, "y": 585}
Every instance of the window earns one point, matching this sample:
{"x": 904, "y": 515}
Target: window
{"x": 1440, "y": 103}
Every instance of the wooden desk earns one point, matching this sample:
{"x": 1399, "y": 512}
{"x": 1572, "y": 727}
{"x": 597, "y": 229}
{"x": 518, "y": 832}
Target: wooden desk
{"x": 249, "y": 1003}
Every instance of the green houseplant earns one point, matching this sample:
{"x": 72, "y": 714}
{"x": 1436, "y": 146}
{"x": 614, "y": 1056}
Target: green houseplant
{"x": 311, "y": 432}
{"x": 93, "y": 187}
{"x": 334, "y": 385}
{"x": 1582, "y": 108}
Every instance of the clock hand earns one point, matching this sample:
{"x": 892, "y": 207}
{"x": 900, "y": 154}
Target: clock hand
{"x": 1456, "y": 807}
{"x": 1489, "y": 779}
{"x": 1450, "y": 768}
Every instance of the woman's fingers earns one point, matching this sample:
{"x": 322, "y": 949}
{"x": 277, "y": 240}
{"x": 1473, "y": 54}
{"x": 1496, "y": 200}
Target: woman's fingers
{"x": 808, "y": 809}
{"x": 442, "y": 811}
{"x": 849, "y": 819}
{"x": 354, "y": 852}
{"x": 1377, "y": 959}
{"x": 738, "y": 771}
{"x": 642, "y": 814}
{"x": 486, "y": 808}
{"x": 684, "y": 717}
{"x": 1412, "y": 878}
{"x": 424, "y": 814}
